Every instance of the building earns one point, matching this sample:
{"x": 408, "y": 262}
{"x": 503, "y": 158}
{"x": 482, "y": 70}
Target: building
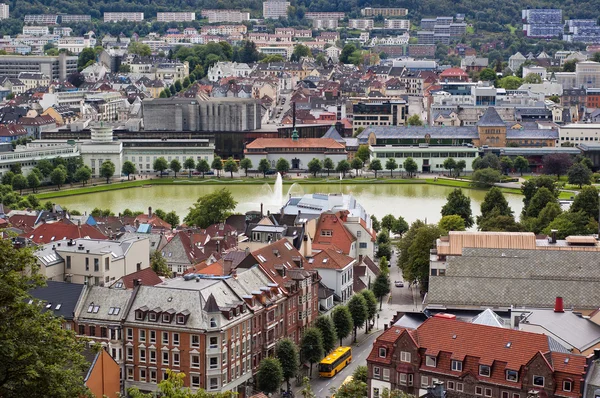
{"x": 583, "y": 31}
{"x": 217, "y": 16}
{"x": 324, "y": 15}
{"x": 383, "y": 11}
{"x": 71, "y": 18}
{"x": 469, "y": 359}
{"x": 515, "y": 61}
{"x": 91, "y": 261}
{"x": 336, "y": 271}
{"x": 360, "y": 24}
{"x": 41, "y": 19}
{"x": 58, "y": 67}
{"x": 77, "y": 44}
{"x": 35, "y": 30}
{"x": 325, "y": 23}
{"x": 29, "y": 156}
{"x": 298, "y": 151}
{"x": 103, "y": 378}
{"x": 228, "y": 69}
{"x": 275, "y": 9}
{"x": 123, "y": 16}
{"x": 587, "y": 74}
{"x": 542, "y": 23}
{"x": 390, "y": 113}
{"x": 578, "y": 133}
{"x": 4, "y": 11}
{"x": 397, "y": 24}
{"x": 175, "y": 16}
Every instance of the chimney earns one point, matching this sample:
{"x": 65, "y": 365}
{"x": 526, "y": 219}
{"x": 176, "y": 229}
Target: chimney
{"x": 261, "y": 210}
{"x": 150, "y": 212}
{"x": 553, "y": 235}
{"x": 559, "y": 305}
{"x": 137, "y": 282}
{"x": 596, "y": 353}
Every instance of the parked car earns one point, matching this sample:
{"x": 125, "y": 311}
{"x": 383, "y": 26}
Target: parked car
{"x": 399, "y": 284}
{"x": 271, "y": 172}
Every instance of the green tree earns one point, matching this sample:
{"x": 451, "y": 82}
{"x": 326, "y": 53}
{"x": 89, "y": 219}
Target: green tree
{"x": 449, "y": 164}
{"x": 531, "y": 186}
{"x": 39, "y": 358}
{"x": 587, "y": 201}
{"x": 383, "y": 237}
{"x": 381, "y": 287}
{"x": 328, "y": 165}
{"x": 554, "y": 98}
{"x": 375, "y": 224}
{"x": 347, "y": 51}
{"x": 282, "y": 166}
{"x": 375, "y": 166}
{"x": 83, "y": 175}
{"x": 342, "y": 320}
{"x": 371, "y": 301}
{"x": 343, "y": 167}
{"x": 158, "y": 263}
{"x": 388, "y": 221}
{"x": 314, "y": 166}
{"x": 211, "y": 209}
{"x": 16, "y": 168}
{"x": 484, "y": 178}
{"x": 570, "y": 66}
{"x": 127, "y": 213}
{"x": 264, "y": 167}
{"x": 85, "y": 57}
{"x": 8, "y": 177}
{"x": 175, "y": 165}
{"x": 186, "y": 82}
{"x": 287, "y": 354}
{"x": 460, "y": 166}
{"x": 488, "y": 75}
{"x": 189, "y": 164}
{"x": 128, "y": 168}
{"x": 178, "y": 86}
{"x": 269, "y": 375}
{"x": 172, "y": 218}
{"x": 357, "y": 164}
{"x": 19, "y": 183}
{"x": 410, "y": 166}
{"x": 532, "y": 78}
{"x": 494, "y": 204}
{"x": 217, "y": 164}
{"x": 58, "y": 176}
{"x": 414, "y": 120}
{"x": 414, "y": 248}
{"x": 400, "y": 226}
{"x": 572, "y": 223}
{"x": 363, "y": 153}
{"x": 138, "y": 48}
{"x": 546, "y": 216}
{"x": 359, "y": 311}
{"x": 311, "y": 346}
{"x": 542, "y": 197}
{"x": 45, "y": 166}
{"x": 452, "y": 223}
{"x": 160, "y": 165}
{"x": 246, "y": 164}
{"x": 172, "y": 387}
{"x": 457, "y": 203}
{"x": 325, "y": 325}
{"x": 521, "y": 164}
{"x": 160, "y": 213}
{"x": 361, "y": 373}
{"x": 267, "y": 59}
{"x": 506, "y": 164}
{"x": 384, "y": 250}
{"x": 351, "y": 389}
{"x": 579, "y": 174}
{"x": 300, "y": 51}
{"x": 230, "y": 166}
{"x": 33, "y": 181}
{"x": 587, "y": 162}
{"x": 202, "y": 167}
{"x": 391, "y": 165}
{"x": 107, "y": 170}
{"x": 510, "y": 82}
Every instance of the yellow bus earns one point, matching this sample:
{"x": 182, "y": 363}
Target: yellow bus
{"x": 333, "y": 363}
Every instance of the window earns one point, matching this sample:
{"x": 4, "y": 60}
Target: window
{"x": 153, "y": 336}
{"x": 195, "y": 340}
{"x": 165, "y": 338}
{"x": 478, "y": 390}
{"x": 175, "y": 338}
{"x": 382, "y": 352}
{"x": 538, "y": 381}
{"x": 92, "y": 330}
{"x": 152, "y": 316}
{"x": 130, "y": 353}
{"x": 142, "y": 336}
{"x": 326, "y": 232}
{"x": 512, "y": 375}
{"x": 515, "y": 395}
{"x": 505, "y": 394}
{"x": 376, "y": 372}
{"x": 152, "y": 356}
{"x": 424, "y": 381}
{"x": 195, "y": 361}
{"x": 175, "y": 359}
{"x": 460, "y": 387}
{"x": 129, "y": 373}
{"x": 456, "y": 366}
{"x": 195, "y": 380}
{"x": 143, "y": 355}
{"x": 96, "y": 265}
{"x": 139, "y": 316}
{"x": 165, "y": 358}
{"x": 403, "y": 378}
{"x": 166, "y": 318}
{"x": 214, "y": 363}
{"x": 484, "y": 370}
{"x": 214, "y": 342}
{"x": 430, "y": 361}
{"x": 68, "y": 262}
{"x": 142, "y": 374}
{"x": 450, "y": 385}
{"x": 107, "y": 264}
{"x": 567, "y": 385}
{"x": 213, "y": 323}
{"x": 180, "y": 319}
{"x": 405, "y": 356}
{"x": 213, "y": 383}
{"x": 488, "y": 392}
{"x": 82, "y": 329}
{"x": 87, "y": 263}
{"x": 386, "y": 374}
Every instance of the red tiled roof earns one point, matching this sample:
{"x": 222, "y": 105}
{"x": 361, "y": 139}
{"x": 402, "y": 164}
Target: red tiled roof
{"x": 213, "y": 269}
{"x": 22, "y": 221}
{"x": 11, "y": 130}
{"x": 278, "y": 254}
{"x": 453, "y": 72}
{"x": 155, "y": 221}
{"x": 330, "y": 259}
{"x": 49, "y": 232}
{"x": 328, "y": 143}
{"x": 147, "y": 275}
{"x": 340, "y": 236}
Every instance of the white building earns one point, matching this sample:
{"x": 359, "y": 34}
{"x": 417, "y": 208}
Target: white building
{"x": 228, "y": 69}
{"x": 400, "y": 24}
{"x": 216, "y": 16}
{"x": 100, "y": 149}
{"x": 578, "y": 133}
{"x": 28, "y": 156}
{"x": 123, "y": 16}
{"x": 335, "y": 270}
{"x": 77, "y": 44}
{"x": 325, "y": 23}
{"x": 143, "y": 153}
{"x": 428, "y": 159}
{"x": 361, "y": 24}
{"x": 35, "y": 30}
{"x": 536, "y": 70}
{"x": 175, "y": 16}
{"x": 333, "y": 52}
{"x": 515, "y": 61}
{"x": 4, "y": 11}
{"x": 275, "y": 9}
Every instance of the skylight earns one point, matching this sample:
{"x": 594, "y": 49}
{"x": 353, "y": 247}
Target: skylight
{"x": 288, "y": 246}
{"x": 90, "y": 308}
{"x": 96, "y": 308}
{"x": 58, "y": 307}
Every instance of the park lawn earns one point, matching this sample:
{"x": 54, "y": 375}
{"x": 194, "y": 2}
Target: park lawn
{"x": 565, "y": 195}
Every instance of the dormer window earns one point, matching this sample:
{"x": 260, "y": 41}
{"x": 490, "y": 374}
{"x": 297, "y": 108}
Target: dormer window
{"x": 213, "y": 323}
{"x": 568, "y": 385}
{"x": 484, "y": 370}
{"x": 237, "y": 311}
{"x": 512, "y": 375}
{"x": 180, "y": 319}
{"x": 166, "y": 318}
{"x": 457, "y": 366}
{"x": 430, "y": 361}
{"x": 538, "y": 381}
{"x": 382, "y": 352}
{"x": 139, "y": 315}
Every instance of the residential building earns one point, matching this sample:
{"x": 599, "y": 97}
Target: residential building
{"x": 583, "y": 31}
{"x": 35, "y": 30}
{"x": 336, "y": 271}
{"x": 35, "y": 126}
{"x": 228, "y": 69}
{"x": 542, "y": 23}
{"x": 60, "y": 299}
{"x": 330, "y": 233}
{"x": 58, "y": 67}
{"x": 217, "y": 16}
{"x": 592, "y": 98}
{"x": 77, "y": 44}
{"x": 398, "y": 24}
{"x": 383, "y": 11}
{"x": 360, "y": 24}
{"x": 390, "y": 113}
{"x": 472, "y": 359}
{"x": 89, "y": 261}
{"x": 224, "y": 30}
{"x": 103, "y": 378}
{"x": 4, "y": 11}
{"x": 71, "y": 18}
{"x": 123, "y": 16}
{"x": 275, "y": 9}
{"x": 324, "y": 15}
{"x": 175, "y": 16}
{"x": 515, "y": 61}
{"x": 41, "y": 19}
{"x": 325, "y": 23}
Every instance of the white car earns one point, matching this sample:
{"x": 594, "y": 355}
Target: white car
{"x": 399, "y": 284}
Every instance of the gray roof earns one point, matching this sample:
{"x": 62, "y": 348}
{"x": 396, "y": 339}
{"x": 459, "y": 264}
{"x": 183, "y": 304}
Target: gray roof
{"x": 61, "y": 297}
{"x": 531, "y": 278}
{"x": 490, "y": 118}
{"x": 510, "y": 151}
{"x": 414, "y": 132}
{"x": 111, "y": 304}
{"x": 333, "y": 133}
{"x": 532, "y": 134}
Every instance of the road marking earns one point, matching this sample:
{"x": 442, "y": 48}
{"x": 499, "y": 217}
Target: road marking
{"x": 320, "y": 390}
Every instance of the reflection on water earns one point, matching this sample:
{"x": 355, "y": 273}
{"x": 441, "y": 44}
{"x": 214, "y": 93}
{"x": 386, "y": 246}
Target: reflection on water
{"x": 412, "y": 201}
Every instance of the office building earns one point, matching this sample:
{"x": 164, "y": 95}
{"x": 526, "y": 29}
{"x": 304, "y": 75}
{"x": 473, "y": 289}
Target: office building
{"x": 217, "y": 16}
{"x": 379, "y": 114}
{"x": 275, "y": 9}
{"x": 175, "y": 16}
{"x": 542, "y": 23}
{"x": 399, "y": 24}
{"x": 385, "y": 12}
{"x": 58, "y": 67}
{"x": 360, "y": 24}
{"x": 123, "y": 16}
{"x": 4, "y": 11}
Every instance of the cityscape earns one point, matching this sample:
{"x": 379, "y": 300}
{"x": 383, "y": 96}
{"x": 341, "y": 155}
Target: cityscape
{"x": 279, "y": 199}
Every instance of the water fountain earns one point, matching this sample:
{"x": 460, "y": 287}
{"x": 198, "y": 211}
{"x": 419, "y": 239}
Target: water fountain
{"x": 278, "y": 191}
{"x": 275, "y": 192}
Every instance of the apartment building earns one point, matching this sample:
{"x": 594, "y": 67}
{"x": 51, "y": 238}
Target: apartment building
{"x": 336, "y": 271}
{"x": 384, "y": 11}
{"x": 542, "y": 23}
{"x": 123, "y": 16}
{"x": 472, "y": 360}
{"x": 33, "y": 80}
{"x": 325, "y": 15}
{"x": 35, "y": 30}
{"x": 275, "y": 9}
{"x": 74, "y": 18}
{"x": 360, "y": 24}
{"x": 58, "y": 67}
{"x": 175, "y": 16}
{"x": 4, "y": 11}
{"x": 217, "y": 16}
{"x": 325, "y": 23}
{"x": 399, "y": 24}
{"x": 224, "y": 30}
{"x": 41, "y": 19}
{"x": 77, "y": 44}
{"x": 296, "y": 33}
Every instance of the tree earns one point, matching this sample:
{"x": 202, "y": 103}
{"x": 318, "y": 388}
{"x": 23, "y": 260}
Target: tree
{"x": 16, "y": 168}
{"x": 570, "y": 66}
{"x": 530, "y": 187}
{"x": 494, "y": 201}
{"x": 178, "y": 86}
{"x": 20, "y": 183}
{"x": 160, "y": 165}
{"x": 325, "y": 325}
{"x": 311, "y": 346}
{"x": 460, "y": 166}
{"x": 58, "y": 176}
{"x": 357, "y": 164}
{"x": 83, "y": 175}
{"x": 410, "y": 166}
{"x": 488, "y": 75}
{"x": 248, "y": 52}
{"x": 217, "y": 164}
{"x": 557, "y": 164}
{"x": 506, "y": 164}
{"x": 342, "y": 320}
{"x": 484, "y": 178}
{"x": 510, "y": 82}
{"x": 347, "y": 51}
{"x": 264, "y": 167}
{"x": 107, "y": 170}
{"x": 300, "y": 51}
{"x": 159, "y": 264}
{"x": 86, "y": 56}
{"x": 361, "y": 373}
{"x": 400, "y": 226}
{"x": 314, "y": 166}
{"x": 160, "y": 213}
{"x": 580, "y": 175}
{"x": 343, "y": 167}
{"x": 414, "y": 120}
{"x": 287, "y": 354}
{"x": 371, "y": 301}
{"x": 39, "y": 358}
{"x": 246, "y": 164}
{"x": 391, "y": 165}
{"x": 189, "y": 164}
{"x": 269, "y": 375}
{"x": 449, "y": 164}
{"x": 572, "y": 223}
{"x": 8, "y": 177}
{"x": 211, "y": 209}
{"x": 328, "y": 165}
{"x": 363, "y": 153}
{"x": 375, "y": 166}
{"x": 452, "y": 223}
{"x": 33, "y": 181}
{"x": 489, "y": 161}
{"x": 586, "y": 201}
{"x": 542, "y": 197}
{"x": 521, "y": 164}
{"x": 175, "y": 165}
{"x": 359, "y": 311}
{"x": 457, "y": 203}
{"x": 45, "y": 166}
{"x": 351, "y": 389}
{"x": 172, "y": 218}
{"x": 384, "y": 250}
{"x": 172, "y": 387}
{"x": 202, "y": 167}
{"x": 230, "y": 166}
{"x": 532, "y": 78}
{"x": 387, "y": 222}
{"x": 381, "y": 287}
{"x": 128, "y": 168}
{"x": 138, "y": 48}
{"x": 546, "y": 216}
{"x": 587, "y": 162}
{"x": 186, "y": 82}
{"x": 267, "y": 59}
